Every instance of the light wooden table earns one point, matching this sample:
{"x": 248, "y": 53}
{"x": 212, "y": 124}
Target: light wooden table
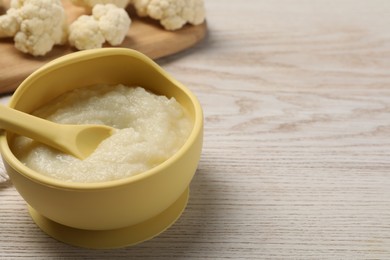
{"x": 296, "y": 158}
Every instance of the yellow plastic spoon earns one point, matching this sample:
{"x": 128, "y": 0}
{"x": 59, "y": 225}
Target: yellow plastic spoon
{"x": 77, "y": 140}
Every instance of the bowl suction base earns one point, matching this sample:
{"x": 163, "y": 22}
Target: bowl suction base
{"x": 117, "y": 238}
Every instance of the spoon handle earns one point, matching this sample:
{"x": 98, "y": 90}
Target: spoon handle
{"x": 28, "y": 125}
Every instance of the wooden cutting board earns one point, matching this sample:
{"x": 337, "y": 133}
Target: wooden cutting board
{"x": 145, "y": 35}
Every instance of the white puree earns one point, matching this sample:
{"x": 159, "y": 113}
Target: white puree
{"x": 151, "y": 129}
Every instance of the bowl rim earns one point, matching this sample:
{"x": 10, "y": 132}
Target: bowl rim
{"x": 66, "y": 60}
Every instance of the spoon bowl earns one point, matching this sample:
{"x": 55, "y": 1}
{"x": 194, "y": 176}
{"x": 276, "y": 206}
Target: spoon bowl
{"x": 77, "y": 140}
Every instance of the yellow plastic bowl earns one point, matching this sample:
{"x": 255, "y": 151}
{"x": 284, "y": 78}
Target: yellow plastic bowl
{"x": 108, "y": 205}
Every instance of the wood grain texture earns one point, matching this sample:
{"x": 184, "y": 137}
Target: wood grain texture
{"x": 145, "y": 35}
{"x": 296, "y": 158}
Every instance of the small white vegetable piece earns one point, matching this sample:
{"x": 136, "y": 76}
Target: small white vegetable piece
{"x": 9, "y": 23}
{"x": 89, "y": 4}
{"x": 107, "y": 23}
{"x": 172, "y": 14}
{"x": 36, "y": 25}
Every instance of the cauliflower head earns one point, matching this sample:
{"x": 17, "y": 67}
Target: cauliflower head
{"x": 36, "y": 25}
{"x": 172, "y": 14}
{"x": 108, "y": 23}
{"x": 10, "y": 23}
{"x": 89, "y": 4}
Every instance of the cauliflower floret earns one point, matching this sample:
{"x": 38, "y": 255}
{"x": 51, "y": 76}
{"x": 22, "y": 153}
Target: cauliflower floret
{"x": 141, "y": 6}
{"x": 84, "y": 33}
{"x": 36, "y": 25}
{"x": 172, "y": 14}
{"x": 89, "y": 4}
{"x": 107, "y": 23}
{"x": 10, "y": 23}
